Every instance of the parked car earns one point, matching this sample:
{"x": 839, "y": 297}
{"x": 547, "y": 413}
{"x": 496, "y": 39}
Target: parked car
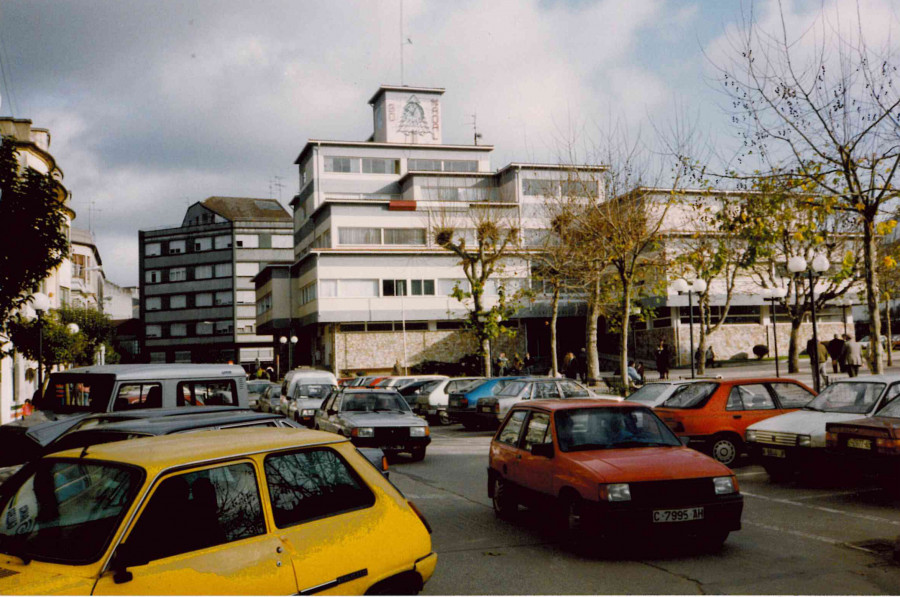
{"x": 795, "y": 441}
{"x": 462, "y": 404}
{"x": 73, "y": 394}
{"x": 185, "y": 514}
{"x": 609, "y": 467}
{"x": 401, "y": 381}
{"x": 270, "y": 400}
{"x": 305, "y": 377}
{"x": 654, "y": 393}
{"x": 429, "y": 398}
{"x": 492, "y": 410}
{"x": 713, "y": 415}
{"x": 375, "y": 418}
{"x": 255, "y": 389}
{"x": 864, "y": 342}
{"x": 869, "y": 446}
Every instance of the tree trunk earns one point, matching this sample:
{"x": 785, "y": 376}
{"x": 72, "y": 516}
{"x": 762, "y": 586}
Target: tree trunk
{"x": 593, "y": 357}
{"x": 554, "y": 316}
{"x": 486, "y": 357}
{"x": 701, "y": 344}
{"x": 794, "y": 346}
{"x": 623, "y": 336}
{"x": 890, "y": 342}
{"x": 870, "y": 253}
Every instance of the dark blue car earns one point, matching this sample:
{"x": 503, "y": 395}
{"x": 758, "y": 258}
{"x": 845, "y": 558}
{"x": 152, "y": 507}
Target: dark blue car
{"x": 463, "y": 406}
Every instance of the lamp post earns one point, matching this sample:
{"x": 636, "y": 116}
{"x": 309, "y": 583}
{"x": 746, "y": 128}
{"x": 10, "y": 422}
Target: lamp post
{"x": 772, "y": 296}
{"x": 41, "y": 304}
{"x": 819, "y": 264}
{"x": 294, "y": 340}
{"x": 682, "y": 286}
{"x": 844, "y": 303}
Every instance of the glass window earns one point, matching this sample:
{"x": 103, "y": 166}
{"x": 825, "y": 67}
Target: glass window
{"x": 153, "y": 331}
{"x": 341, "y": 164}
{"x": 207, "y": 393}
{"x": 178, "y": 330}
{"x": 246, "y": 268}
{"x": 224, "y": 327}
{"x": 422, "y": 287}
{"x": 223, "y": 242}
{"x": 177, "y": 274}
{"x": 692, "y": 395}
{"x": 153, "y": 249}
{"x": 152, "y": 276}
{"x": 546, "y": 390}
{"x": 67, "y": 393}
{"x": 138, "y": 395}
{"x": 570, "y": 389}
{"x": 202, "y": 244}
{"x": 404, "y": 236}
{"x": 536, "y": 432}
{"x": 246, "y": 297}
{"x": 203, "y": 299}
{"x": 223, "y": 270}
{"x": 599, "y": 428}
{"x": 460, "y": 165}
{"x": 579, "y": 188}
{"x": 224, "y": 297}
{"x": 750, "y": 397}
{"x": 247, "y": 241}
{"x": 357, "y": 288}
{"x": 203, "y": 272}
{"x": 153, "y": 303}
{"x": 178, "y": 301}
{"x": 847, "y": 397}
{"x": 380, "y": 166}
{"x": 540, "y": 188}
{"x": 359, "y": 236}
{"x": 327, "y": 288}
{"x": 373, "y": 402}
{"x": 197, "y": 510}
{"x": 313, "y": 484}
{"x": 204, "y": 328}
{"x": 510, "y": 433}
{"x": 791, "y": 395}
{"x": 282, "y": 241}
{"x": 649, "y": 394}
{"x": 176, "y": 247}
{"x": 66, "y": 512}
{"x": 892, "y": 406}
{"x": 393, "y": 288}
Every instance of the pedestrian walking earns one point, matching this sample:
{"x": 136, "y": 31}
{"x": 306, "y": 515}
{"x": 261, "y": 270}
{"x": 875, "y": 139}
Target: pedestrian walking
{"x": 852, "y": 355}
{"x": 835, "y": 348}
{"x": 582, "y": 364}
{"x": 818, "y": 356}
{"x": 661, "y": 354}
{"x": 502, "y": 365}
{"x": 570, "y": 367}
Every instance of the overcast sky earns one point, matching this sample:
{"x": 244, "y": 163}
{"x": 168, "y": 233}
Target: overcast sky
{"x": 154, "y": 105}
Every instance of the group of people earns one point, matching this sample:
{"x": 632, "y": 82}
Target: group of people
{"x": 845, "y": 352}
{"x": 518, "y": 366}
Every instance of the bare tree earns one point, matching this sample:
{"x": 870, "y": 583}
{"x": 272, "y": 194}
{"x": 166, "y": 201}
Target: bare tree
{"x": 822, "y": 106}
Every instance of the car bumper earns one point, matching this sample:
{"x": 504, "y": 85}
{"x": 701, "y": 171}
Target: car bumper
{"x": 470, "y": 416}
{"x": 425, "y": 566}
{"x": 721, "y": 515}
{"x": 784, "y": 456}
{"x": 396, "y": 445}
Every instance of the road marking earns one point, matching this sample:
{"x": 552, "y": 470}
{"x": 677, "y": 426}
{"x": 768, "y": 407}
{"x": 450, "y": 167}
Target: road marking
{"x": 796, "y": 533}
{"x": 823, "y": 509}
{"x": 838, "y": 493}
{"x": 756, "y": 474}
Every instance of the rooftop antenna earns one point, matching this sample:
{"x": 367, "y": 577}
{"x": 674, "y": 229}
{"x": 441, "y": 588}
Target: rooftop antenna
{"x": 404, "y": 41}
{"x": 91, "y": 210}
{"x": 475, "y": 134}
{"x": 275, "y": 183}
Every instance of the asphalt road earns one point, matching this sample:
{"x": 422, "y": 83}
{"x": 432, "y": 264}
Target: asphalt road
{"x": 804, "y": 537}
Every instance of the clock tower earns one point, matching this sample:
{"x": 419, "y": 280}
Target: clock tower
{"x": 407, "y": 115}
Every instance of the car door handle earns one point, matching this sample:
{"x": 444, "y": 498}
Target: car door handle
{"x": 737, "y": 416}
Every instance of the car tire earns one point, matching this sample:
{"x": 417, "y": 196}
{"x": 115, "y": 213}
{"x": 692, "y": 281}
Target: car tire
{"x": 726, "y": 448}
{"x": 417, "y": 454}
{"x": 571, "y": 517}
{"x": 444, "y": 417}
{"x": 504, "y": 501}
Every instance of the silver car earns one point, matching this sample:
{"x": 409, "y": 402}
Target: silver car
{"x": 491, "y": 411}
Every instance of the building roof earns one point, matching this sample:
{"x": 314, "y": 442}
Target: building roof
{"x": 405, "y": 89}
{"x": 564, "y": 167}
{"x": 247, "y": 208}
{"x": 376, "y": 145}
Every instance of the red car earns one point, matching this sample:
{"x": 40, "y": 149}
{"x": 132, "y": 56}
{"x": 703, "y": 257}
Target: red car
{"x": 870, "y": 445}
{"x": 714, "y": 415}
{"x": 604, "y": 466}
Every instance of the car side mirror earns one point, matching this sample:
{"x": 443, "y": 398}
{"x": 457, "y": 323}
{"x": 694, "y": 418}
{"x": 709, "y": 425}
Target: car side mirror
{"x": 331, "y": 412}
{"x": 125, "y": 557}
{"x": 545, "y": 450}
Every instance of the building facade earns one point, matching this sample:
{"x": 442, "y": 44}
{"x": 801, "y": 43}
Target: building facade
{"x": 198, "y": 302}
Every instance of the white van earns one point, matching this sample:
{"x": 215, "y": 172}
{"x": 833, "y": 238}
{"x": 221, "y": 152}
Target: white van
{"x": 303, "y": 391}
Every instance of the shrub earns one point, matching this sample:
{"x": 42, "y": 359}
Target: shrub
{"x": 760, "y": 350}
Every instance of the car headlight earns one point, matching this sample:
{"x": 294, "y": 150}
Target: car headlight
{"x": 615, "y": 492}
{"x": 363, "y": 432}
{"x": 751, "y": 435}
{"x": 418, "y": 431}
{"x": 804, "y": 441}
{"x": 308, "y": 412}
{"x": 724, "y": 485}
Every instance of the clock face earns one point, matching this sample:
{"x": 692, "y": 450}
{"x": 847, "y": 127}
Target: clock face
{"x": 412, "y": 120}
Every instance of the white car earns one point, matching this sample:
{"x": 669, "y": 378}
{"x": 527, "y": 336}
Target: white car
{"x": 429, "y": 398}
{"x": 795, "y": 441}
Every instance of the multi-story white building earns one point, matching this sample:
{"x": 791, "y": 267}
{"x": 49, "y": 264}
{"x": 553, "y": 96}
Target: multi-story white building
{"x": 197, "y": 295}
{"x": 369, "y": 286}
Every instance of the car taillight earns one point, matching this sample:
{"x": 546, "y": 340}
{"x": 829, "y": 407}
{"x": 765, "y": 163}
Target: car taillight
{"x": 464, "y": 402}
{"x": 830, "y": 440}
{"x": 497, "y": 408}
{"x": 384, "y": 463}
{"x": 887, "y": 445}
{"x": 420, "y": 515}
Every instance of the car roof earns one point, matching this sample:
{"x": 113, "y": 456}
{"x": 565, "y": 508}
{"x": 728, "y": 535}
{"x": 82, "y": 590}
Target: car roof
{"x": 570, "y": 403}
{"x": 154, "y": 453}
{"x": 158, "y": 371}
{"x": 358, "y": 390}
{"x": 164, "y": 425}
{"x": 179, "y": 411}
{"x": 884, "y": 378}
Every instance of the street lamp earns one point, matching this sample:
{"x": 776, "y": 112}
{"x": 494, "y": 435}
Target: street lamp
{"x": 41, "y": 304}
{"x": 772, "y": 296}
{"x": 819, "y": 264}
{"x": 294, "y": 340}
{"x": 682, "y": 286}
{"x": 844, "y": 304}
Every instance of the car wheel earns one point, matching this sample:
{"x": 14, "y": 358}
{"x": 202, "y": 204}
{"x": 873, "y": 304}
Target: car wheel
{"x": 726, "y": 449}
{"x": 571, "y": 515}
{"x": 444, "y": 417}
{"x": 504, "y": 501}
{"x": 418, "y": 453}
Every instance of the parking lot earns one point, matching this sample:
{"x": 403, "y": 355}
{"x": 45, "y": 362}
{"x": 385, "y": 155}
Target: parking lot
{"x": 808, "y": 536}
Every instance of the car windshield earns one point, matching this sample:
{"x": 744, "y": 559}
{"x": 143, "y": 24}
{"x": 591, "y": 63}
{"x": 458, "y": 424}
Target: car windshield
{"x": 317, "y": 389}
{"x": 511, "y": 388}
{"x": 66, "y": 511}
{"x": 608, "y": 428}
{"x": 892, "y": 409}
{"x": 374, "y": 403}
{"x": 692, "y": 395}
{"x": 850, "y": 397}
{"x": 272, "y": 392}
{"x": 649, "y": 394}
{"x": 77, "y": 393}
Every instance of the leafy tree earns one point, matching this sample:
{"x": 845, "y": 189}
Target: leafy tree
{"x": 32, "y": 234}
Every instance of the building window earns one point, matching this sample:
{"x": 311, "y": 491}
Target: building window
{"x": 308, "y": 293}
{"x": 245, "y": 327}
{"x": 204, "y": 299}
{"x": 178, "y": 301}
{"x": 79, "y": 267}
{"x": 153, "y": 331}
{"x": 579, "y": 188}
{"x": 327, "y": 288}
{"x": 182, "y": 356}
{"x": 533, "y": 187}
{"x": 246, "y": 241}
{"x": 223, "y": 242}
{"x": 176, "y": 247}
{"x": 224, "y": 297}
{"x": 246, "y": 297}
{"x": 264, "y": 304}
{"x": 358, "y": 288}
{"x": 380, "y": 166}
{"x": 440, "y": 193}
{"x": 204, "y": 328}
{"x": 153, "y": 276}
{"x": 449, "y": 325}
{"x": 202, "y": 244}
{"x": 404, "y": 236}
{"x": 420, "y": 165}
{"x": 153, "y": 250}
{"x": 379, "y": 327}
{"x": 359, "y": 236}
{"x": 202, "y": 272}
{"x": 223, "y": 270}
{"x": 178, "y": 274}
{"x": 353, "y": 327}
{"x": 446, "y": 286}
{"x": 393, "y": 288}
{"x": 224, "y": 327}
{"x": 247, "y": 268}
{"x": 339, "y": 164}
{"x": 153, "y": 303}
{"x": 177, "y": 330}
{"x": 422, "y": 287}
{"x": 157, "y": 357}
{"x": 282, "y": 241}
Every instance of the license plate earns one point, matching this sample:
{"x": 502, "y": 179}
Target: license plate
{"x": 862, "y": 444}
{"x": 774, "y": 452}
{"x": 682, "y": 515}
{"x": 485, "y": 409}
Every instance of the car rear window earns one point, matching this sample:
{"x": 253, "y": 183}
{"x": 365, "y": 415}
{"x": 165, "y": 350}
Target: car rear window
{"x": 791, "y": 395}
{"x": 692, "y": 395}
{"x": 512, "y": 388}
{"x": 649, "y": 393}
{"x": 847, "y": 397}
{"x": 207, "y": 393}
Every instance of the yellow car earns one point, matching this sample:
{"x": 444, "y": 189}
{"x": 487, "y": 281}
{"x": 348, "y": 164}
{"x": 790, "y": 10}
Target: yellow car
{"x": 253, "y": 511}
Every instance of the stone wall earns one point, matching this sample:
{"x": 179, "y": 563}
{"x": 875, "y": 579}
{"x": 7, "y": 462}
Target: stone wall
{"x": 376, "y": 352}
